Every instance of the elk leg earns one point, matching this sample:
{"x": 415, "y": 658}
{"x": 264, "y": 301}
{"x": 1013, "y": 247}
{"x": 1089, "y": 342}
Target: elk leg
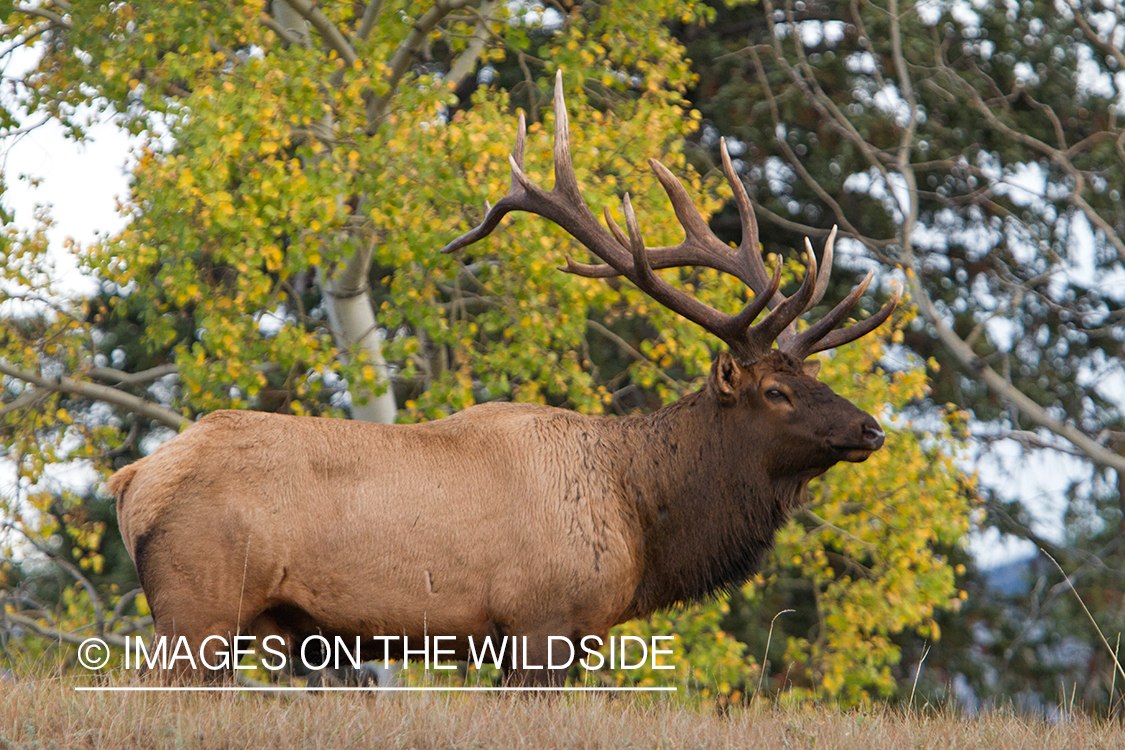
{"x": 192, "y": 650}
{"x": 267, "y": 626}
{"x": 200, "y": 641}
{"x": 533, "y": 662}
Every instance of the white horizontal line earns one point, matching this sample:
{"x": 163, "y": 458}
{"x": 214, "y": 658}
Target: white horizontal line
{"x": 292, "y": 689}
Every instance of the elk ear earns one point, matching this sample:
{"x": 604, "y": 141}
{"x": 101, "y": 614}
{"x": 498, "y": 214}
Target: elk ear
{"x": 811, "y": 367}
{"x": 727, "y": 378}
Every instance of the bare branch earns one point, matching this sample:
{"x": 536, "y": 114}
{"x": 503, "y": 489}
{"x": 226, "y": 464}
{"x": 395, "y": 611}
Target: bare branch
{"x": 120, "y": 377}
{"x": 370, "y": 16}
{"x": 30, "y": 396}
{"x": 328, "y": 31}
{"x": 405, "y": 54}
{"x": 807, "y": 83}
{"x": 271, "y": 23}
{"x": 113, "y": 639}
{"x": 54, "y": 18}
{"x": 1057, "y": 155}
{"x": 906, "y": 89}
{"x": 75, "y": 573}
{"x": 632, "y": 351}
{"x": 975, "y": 366}
{"x": 1030, "y": 439}
{"x": 466, "y": 62}
{"x": 792, "y": 157}
{"x": 98, "y": 392}
{"x": 1105, "y": 45}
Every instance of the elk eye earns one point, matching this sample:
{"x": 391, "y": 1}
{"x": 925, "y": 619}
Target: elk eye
{"x": 776, "y": 394}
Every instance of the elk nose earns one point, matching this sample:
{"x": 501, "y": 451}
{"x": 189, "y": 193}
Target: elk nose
{"x": 873, "y": 434}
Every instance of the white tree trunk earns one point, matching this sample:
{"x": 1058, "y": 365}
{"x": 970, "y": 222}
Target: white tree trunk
{"x": 345, "y": 292}
{"x": 347, "y": 298}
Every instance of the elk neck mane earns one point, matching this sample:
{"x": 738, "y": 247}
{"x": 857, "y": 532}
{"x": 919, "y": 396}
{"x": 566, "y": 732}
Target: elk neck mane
{"x": 706, "y": 508}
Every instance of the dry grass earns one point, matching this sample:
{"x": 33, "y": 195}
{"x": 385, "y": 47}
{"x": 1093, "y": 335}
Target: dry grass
{"x": 50, "y": 713}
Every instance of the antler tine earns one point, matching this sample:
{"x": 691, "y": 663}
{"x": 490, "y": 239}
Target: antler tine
{"x": 510, "y": 202}
{"x": 586, "y": 270}
{"x": 518, "y": 149}
{"x": 821, "y": 328}
{"x": 785, "y": 338}
{"x": 645, "y": 277}
{"x": 614, "y": 229}
{"x": 700, "y": 246}
{"x": 742, "y": 321}
{"x": 760, "y": 338}
{"x": 832, "y": 339}
{"x": 825, "y": 268}
{"x": 565, "y": 180}
{"x": 710, "y": 319}
{"x": 688, "y": 215}
{"x": 749, "y": 249}
{"x": 562, "y": 205}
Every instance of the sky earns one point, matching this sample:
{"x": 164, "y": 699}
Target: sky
{"x": 81, "y": 183}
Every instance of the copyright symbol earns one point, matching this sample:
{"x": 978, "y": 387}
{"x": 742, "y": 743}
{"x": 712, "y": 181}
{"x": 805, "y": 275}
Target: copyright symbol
{"x": 93, "y": 653}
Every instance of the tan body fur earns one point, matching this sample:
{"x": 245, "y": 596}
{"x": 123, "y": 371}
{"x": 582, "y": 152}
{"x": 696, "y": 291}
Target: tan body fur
{"x": 366, "y": 526}
{"x": 501, "y": 520}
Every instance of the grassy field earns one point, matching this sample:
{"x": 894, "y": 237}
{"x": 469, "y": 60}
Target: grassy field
{"x": 51, "y": 714}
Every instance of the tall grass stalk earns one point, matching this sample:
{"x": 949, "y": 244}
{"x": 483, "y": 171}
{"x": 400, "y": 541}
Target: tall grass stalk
{"x": 917, "y": 674}
{"x": 1112, "y": 653}
{"x": 766, "y": 656}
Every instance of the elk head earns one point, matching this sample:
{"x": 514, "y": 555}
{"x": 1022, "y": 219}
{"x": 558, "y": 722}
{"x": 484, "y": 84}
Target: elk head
{"x": 754, "y": 375}
{"x": 809, "y": 427}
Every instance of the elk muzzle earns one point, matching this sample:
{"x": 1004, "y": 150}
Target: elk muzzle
{"x": 870, "y": 439}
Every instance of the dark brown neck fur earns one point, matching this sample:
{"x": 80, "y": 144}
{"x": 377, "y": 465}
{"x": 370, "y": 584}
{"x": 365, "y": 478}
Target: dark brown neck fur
{"x": 708, "y": 511}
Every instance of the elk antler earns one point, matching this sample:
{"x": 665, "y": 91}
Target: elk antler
{"x": 626, "y": 255}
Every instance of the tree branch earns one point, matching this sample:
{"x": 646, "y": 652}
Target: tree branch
{"x": 75, "y": 573}
{"x": 370, "y": 16}
{"x": 27, "y": 398}
{"x": 54, "y": 18}
{"x": 98, "y": 392}
{"x": 120, "y": 377}
{"x": 629, "y": 349}
{"x": 1106, "y": 45}
{"x": 841, "y": 218}
{"x": 1057, "y": 155}
{"x": 466, "y": 62}
{"x": 328, "y": 31}
{"x": 819, "y": 524}
{"x": 404, "y": 55}
{"x": 975, "y": 366}
{"x": 271, "y": 23}
{"x": 815, "y": 95}
{"x": 113, "y": 639}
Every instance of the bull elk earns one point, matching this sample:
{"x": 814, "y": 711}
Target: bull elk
{"x": 508, "y": 519}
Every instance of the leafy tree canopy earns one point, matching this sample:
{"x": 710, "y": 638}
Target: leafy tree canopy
{"x": 299, "y": 166}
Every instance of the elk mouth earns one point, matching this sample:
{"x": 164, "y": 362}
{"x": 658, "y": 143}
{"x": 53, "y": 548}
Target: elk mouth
{"x": 872, "y": 440}
{"x": 853, "y": 453}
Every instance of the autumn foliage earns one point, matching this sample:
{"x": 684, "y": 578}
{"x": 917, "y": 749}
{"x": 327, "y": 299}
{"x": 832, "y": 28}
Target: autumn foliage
{"x": 261, "y": 171}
